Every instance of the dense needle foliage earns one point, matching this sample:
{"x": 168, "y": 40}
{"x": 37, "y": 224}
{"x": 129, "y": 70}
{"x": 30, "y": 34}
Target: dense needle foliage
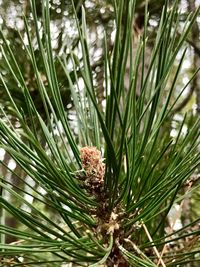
{"x": 102, "y": 192}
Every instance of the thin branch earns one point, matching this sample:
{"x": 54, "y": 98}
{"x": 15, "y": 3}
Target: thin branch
{"x": 189, "y": 183}
{"x": 185, "y": 101}
{"x": 196, "y": 49}
{"x": 154, "y": 247}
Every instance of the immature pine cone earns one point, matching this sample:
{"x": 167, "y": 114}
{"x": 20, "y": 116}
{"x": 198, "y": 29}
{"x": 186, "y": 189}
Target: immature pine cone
{"x": 92, "y": 164}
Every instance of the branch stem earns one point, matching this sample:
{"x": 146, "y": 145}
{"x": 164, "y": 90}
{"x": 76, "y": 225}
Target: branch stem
{"x": 154, "y": 247}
